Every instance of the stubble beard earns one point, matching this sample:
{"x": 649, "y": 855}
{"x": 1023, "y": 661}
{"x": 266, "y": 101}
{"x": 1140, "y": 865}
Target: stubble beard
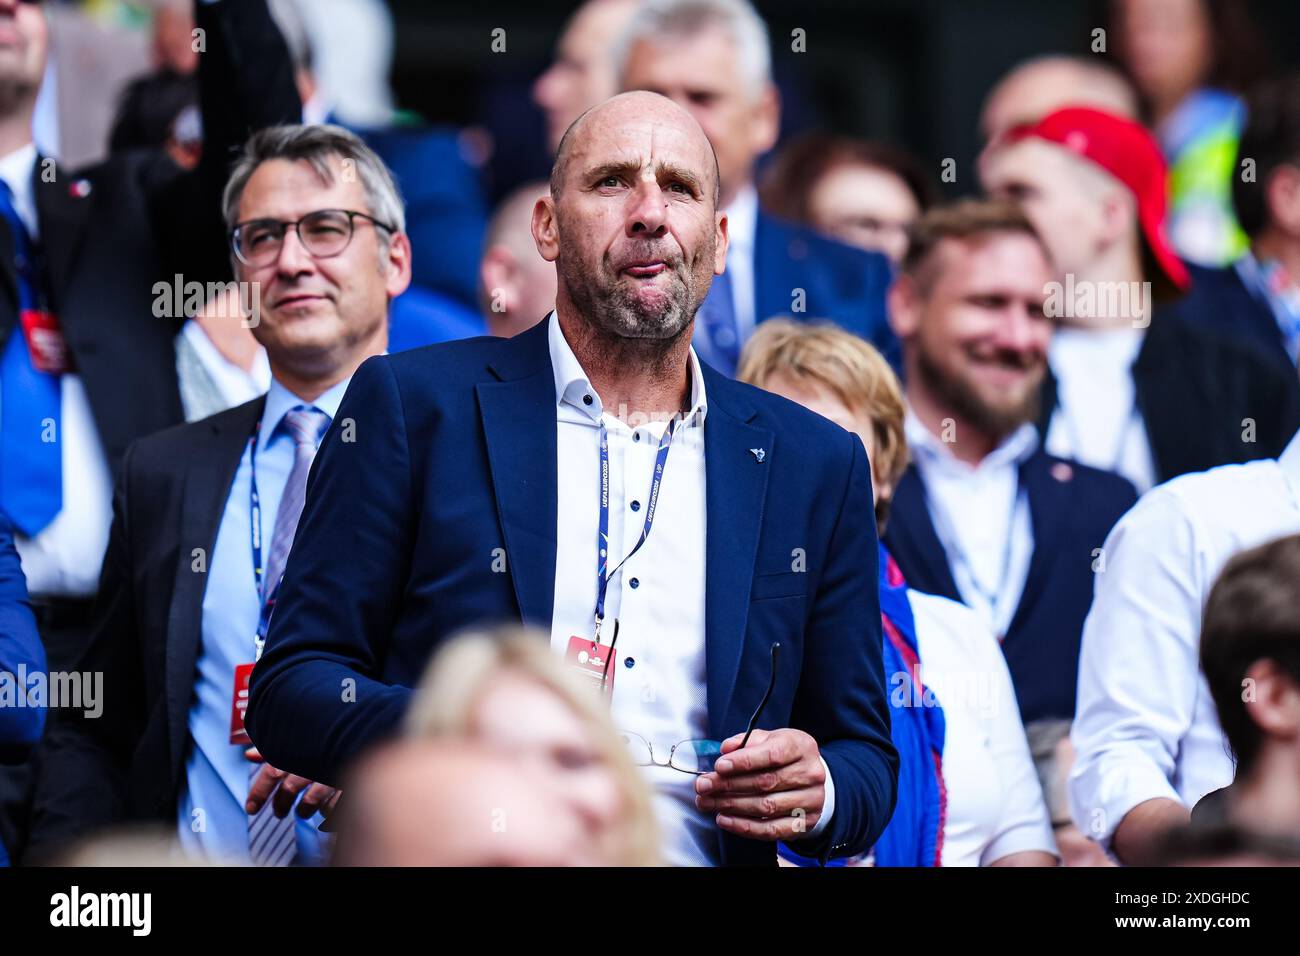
{"x": 626, "y": 325}
{"x": 956, "y": 393}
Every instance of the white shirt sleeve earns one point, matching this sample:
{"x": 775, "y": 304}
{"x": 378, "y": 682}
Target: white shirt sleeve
{"x": 995, "y": 801}
{"x": 1138, "y": 668}
{"x": 1024, "y": 823}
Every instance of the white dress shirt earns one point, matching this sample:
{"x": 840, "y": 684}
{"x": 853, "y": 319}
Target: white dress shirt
{"x": 981, "y": 518}
{"x": 1145, "y": 725}
{"x": 742, "y": 225}
{"x": 658, "y": 596}
{"x": 995, "y": 803}
{"x": 64, "y": 558}
{"x": 1097, "y": 420}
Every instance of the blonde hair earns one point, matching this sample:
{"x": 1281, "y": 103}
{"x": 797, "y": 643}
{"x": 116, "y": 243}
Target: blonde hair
{"x": 459, "y": 674}
{"x": 849, "y": 367}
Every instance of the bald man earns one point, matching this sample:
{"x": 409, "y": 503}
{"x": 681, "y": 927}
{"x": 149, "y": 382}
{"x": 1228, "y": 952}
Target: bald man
{"x": 488, "y": 479}
{"x": 516, "y": 285}
{"x": 1044, "y": 84}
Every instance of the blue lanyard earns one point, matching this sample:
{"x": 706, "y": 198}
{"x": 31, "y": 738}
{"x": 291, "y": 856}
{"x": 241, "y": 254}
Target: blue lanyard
{"x": 267, "y": 601}
{"x": 602, "y": 540}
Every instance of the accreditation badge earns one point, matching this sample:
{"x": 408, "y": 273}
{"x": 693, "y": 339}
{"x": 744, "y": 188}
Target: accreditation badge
{"x": 594, "y": 662}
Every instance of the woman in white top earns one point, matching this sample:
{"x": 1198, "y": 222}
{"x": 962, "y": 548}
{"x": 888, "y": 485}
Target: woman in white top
{"x": 992, "y": 807}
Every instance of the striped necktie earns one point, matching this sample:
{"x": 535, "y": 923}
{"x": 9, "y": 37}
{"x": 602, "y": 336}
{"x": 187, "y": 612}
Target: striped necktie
{"x": 271, "y": 840}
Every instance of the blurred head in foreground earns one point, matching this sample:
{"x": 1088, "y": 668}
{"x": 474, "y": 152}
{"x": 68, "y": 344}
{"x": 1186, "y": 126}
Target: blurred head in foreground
{"x": 536, "y": 767}
{"x": 1250, "y": 653}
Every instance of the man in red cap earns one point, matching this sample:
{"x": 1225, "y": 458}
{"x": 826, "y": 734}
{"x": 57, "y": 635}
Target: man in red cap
{"x": 1143, "y": 394}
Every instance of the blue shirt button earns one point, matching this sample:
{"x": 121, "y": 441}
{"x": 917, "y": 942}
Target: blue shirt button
{"x": 586, "y": 399}
{"x": 634, "y": 583}
{"x": 636, "y": 506}
{"x": 628, "y": 662}
{"x": 636, "y": 436}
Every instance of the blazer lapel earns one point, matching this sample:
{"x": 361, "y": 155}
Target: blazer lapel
{"x": 208, "y": 475}
{"x": 736, "y": 489}
{"x": 1047, "y": 504}
{"x": 519, "y": 422}
{"x": 62, "y": 207}
{"x": 914, "y": 543}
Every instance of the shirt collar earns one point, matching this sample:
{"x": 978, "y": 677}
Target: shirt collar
{"x": 1011, "y": 451}
{"x": 742, "y": 218}
{"x": 572, "y": 384}
{"x": 16, "y": 170}
{"x": 280, "y": 400}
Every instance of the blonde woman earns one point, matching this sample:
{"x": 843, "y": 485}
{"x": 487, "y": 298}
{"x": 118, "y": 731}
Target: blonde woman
{"x": 505, "y": 690}
{"x": 968, "y": 793}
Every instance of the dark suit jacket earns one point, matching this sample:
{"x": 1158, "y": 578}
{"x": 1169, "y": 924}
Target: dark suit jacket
{"x": 1071, "y": 508}
{"x": 20, "y": 647}
{"x": 1219, "y": 300}
{"x": 840, "y": 283}
{"x": 111, "y": 232}
{"x": 129, "y": 763}
{"x": 1195, "y": 388}
{"x": 455, "y": 456}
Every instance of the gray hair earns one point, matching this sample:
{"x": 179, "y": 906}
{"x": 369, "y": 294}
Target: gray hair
{"x": 675, "y": 18}
{"x": 288, "y": 16}
{"x": 314, "y": 145}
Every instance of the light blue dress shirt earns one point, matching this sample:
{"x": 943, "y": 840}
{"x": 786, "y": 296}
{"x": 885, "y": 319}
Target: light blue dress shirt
{"x": 211, "y": 817}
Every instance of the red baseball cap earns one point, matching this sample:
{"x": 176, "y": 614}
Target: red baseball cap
{"x": 1129, "y": 153}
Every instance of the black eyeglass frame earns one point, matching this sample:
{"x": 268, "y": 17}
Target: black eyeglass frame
{"x": 295, "y": 225}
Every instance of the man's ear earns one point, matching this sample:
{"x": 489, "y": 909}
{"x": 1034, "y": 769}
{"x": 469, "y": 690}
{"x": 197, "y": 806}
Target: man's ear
{"x": 495, "y": 273}
{"x": 398, "y": 265}
{"x": 721, "y": 240}
{"x": 1282, "y": 195}
{"x": 546, "y": 232}
{"x": 1274, "y": 699}
{"x": 904, "y": 306}
{"x": 1118, "y": 211}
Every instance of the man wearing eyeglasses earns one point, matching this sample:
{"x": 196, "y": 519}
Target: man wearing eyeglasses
{"x": 561, "y": 478}
{"x": 205, "y": 514}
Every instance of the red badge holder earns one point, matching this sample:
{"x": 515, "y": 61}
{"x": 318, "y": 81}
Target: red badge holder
{"x": 594, "y": 661}
{"x": 45, "y": 342}
{"x": 239, "y": 706}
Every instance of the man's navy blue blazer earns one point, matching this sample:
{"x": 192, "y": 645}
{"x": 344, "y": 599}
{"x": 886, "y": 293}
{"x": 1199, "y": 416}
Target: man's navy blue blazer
{"x": 840, "y": 282}
{"x": 451, "y": 465}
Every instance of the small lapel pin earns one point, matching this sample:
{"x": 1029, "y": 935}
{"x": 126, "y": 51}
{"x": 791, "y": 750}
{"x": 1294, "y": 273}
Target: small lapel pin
{"x": 1062, "y": 471}
{"x": 80, "y": 189}
{"x": 758, "y": 454}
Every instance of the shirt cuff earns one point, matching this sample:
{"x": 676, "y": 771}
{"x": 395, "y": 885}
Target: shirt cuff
{"x": 1099, "y": 808}
{"x": 828, "y": 806}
